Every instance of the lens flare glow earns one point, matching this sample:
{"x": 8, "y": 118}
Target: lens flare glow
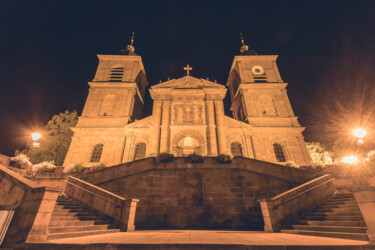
{"x": 35, "y": 136}
{"x": 360, "y": 133}
{"x": 350, "y": 159}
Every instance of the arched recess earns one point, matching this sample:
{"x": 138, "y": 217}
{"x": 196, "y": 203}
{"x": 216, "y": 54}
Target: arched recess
{"x": 189, "y": 133}
{"x": 96, "y": 153}
{"x": 140, "y": 151}
{"x": 236, "y": 149}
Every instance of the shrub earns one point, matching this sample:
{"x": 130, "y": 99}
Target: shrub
{"x": 312, "y": 167}
{"x": 20, "y": 161}
{"x": 291, "y": 164}
{"x": 96, "y": 167}
{"x": 45, "y": 166}
{"x": 164, "y": 157}
{"x": 224, "y": 158}
{"x": 78, "y": 168}
{"x": 194, "y": 158}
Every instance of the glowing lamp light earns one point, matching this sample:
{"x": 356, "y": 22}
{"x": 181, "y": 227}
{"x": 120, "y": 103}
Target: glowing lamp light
{"x": 360, "y": 133}
{"x": 350, "y": 159}
{"x": 35, "y": 136}
{"x": 360, "y": 141}
{"x": 36, "y": 144}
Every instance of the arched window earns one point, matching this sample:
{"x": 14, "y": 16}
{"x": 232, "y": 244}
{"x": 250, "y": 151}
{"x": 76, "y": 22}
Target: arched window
{"x": 236, "y": 149}
{"x": 140, "y": 151}
{"x": 116, "y": 74}
{"x": 279, "y": 152}
{"x": 96, "y": 153}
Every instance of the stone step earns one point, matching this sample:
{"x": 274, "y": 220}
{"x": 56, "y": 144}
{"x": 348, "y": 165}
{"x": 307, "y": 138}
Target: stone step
{"x": 342, "y": 199}
{"x": 341, "y": 235}
{"x": 352, "y": 203}
{"x": 69, "y": 229}
{"x": 74, "y": 218}
{"x": 344, "y": 195}
{"x": 335, "y": 218}
{"x": 338, "y": 205}
{"x": 340, "y": 209}
{"x": 68, "y": 206}
{"x": 331, "y": 228}
{"x": 350, "y": 213}
{"x": 80, "y": 234}
{"x": 69, "y": 210}
{"x": 71, "y": 213}
{"x": 334, "y": 223}
{"x": 71, "y": 223}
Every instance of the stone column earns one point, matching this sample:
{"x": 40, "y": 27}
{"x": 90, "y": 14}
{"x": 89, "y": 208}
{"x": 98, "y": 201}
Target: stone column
{"x": 220, "y": 126}
{"x": 156, "y": 113}
{"x": 211, "y": 127}
{"x": 164, "y": 138}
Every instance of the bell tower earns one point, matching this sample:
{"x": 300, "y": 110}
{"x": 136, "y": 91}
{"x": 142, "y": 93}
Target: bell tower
{"x": 259, "y": 98}
{"x": 258, "y": 94}
{"x": 115, "y": 99}
{"x": 116, "y": 93}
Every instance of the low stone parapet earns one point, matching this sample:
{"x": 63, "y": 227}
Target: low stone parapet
{"x": 286, "y": 206}
{"x": 121, "y": 209}
{"x": 33, "y": 206}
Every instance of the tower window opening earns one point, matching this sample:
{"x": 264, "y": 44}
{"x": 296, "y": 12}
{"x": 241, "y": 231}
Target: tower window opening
{"x": 279, "y": 152}
{"x": 260, "y": 78}
{"x": 96, "y": 153}
{"x": 116, "y": 74}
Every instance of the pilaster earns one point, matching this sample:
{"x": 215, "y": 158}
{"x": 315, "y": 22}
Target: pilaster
{"x": 211, "y": 127}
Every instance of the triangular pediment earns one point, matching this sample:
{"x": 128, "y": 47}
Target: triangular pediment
{"x": 188, "y": 82}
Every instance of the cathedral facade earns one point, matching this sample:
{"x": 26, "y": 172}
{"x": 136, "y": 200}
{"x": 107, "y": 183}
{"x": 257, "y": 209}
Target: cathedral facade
{"x": 188, "y": 114}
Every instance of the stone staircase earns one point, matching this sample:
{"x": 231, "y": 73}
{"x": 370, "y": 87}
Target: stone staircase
{"x": 69, "y": 219}
{"x": 338, "y": 217}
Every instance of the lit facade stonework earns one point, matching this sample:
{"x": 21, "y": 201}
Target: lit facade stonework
{"x": 188, "y": 115}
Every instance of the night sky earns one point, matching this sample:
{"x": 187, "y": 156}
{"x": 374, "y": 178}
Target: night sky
{"x": 48, "y": 53}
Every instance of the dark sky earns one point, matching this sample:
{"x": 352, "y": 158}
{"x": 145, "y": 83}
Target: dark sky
{"x": 48, "y": 50}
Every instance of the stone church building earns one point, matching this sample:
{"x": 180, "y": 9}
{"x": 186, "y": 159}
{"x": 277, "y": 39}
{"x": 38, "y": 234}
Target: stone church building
{"x": 188, "y": 114}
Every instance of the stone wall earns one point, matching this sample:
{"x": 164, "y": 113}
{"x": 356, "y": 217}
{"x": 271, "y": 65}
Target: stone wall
{"x": 207, "y": 195}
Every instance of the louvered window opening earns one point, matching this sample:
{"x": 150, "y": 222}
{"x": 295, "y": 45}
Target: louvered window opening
{"x": 260, "y": 78}
{"x": 116, "y": 75}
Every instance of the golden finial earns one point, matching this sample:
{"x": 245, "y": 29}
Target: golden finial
{"x": 242, "y": 39}
{"x": 244, "y": 47}
{"x": 132, "y": 39}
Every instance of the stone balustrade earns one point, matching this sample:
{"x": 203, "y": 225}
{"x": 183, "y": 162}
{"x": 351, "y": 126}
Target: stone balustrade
{"x": 116, "y": 207}
{"x": 287, "y": 205}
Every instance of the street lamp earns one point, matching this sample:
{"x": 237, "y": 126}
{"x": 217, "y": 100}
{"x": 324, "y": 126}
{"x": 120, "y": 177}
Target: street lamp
{"x": 360, "y": 133}
{"x": 36, "y": 137}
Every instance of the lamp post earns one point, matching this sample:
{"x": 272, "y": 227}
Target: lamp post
{"x": 36, "y": 137}
{"x": 359, "y": 133}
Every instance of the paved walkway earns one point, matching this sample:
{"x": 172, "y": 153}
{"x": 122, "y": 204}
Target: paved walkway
{"x": 204, "y": 237}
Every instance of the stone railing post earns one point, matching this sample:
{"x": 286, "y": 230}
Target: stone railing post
{"x": 128, "y": 215}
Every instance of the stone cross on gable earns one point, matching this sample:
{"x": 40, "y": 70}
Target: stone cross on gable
{"x": 187, "y": 68}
